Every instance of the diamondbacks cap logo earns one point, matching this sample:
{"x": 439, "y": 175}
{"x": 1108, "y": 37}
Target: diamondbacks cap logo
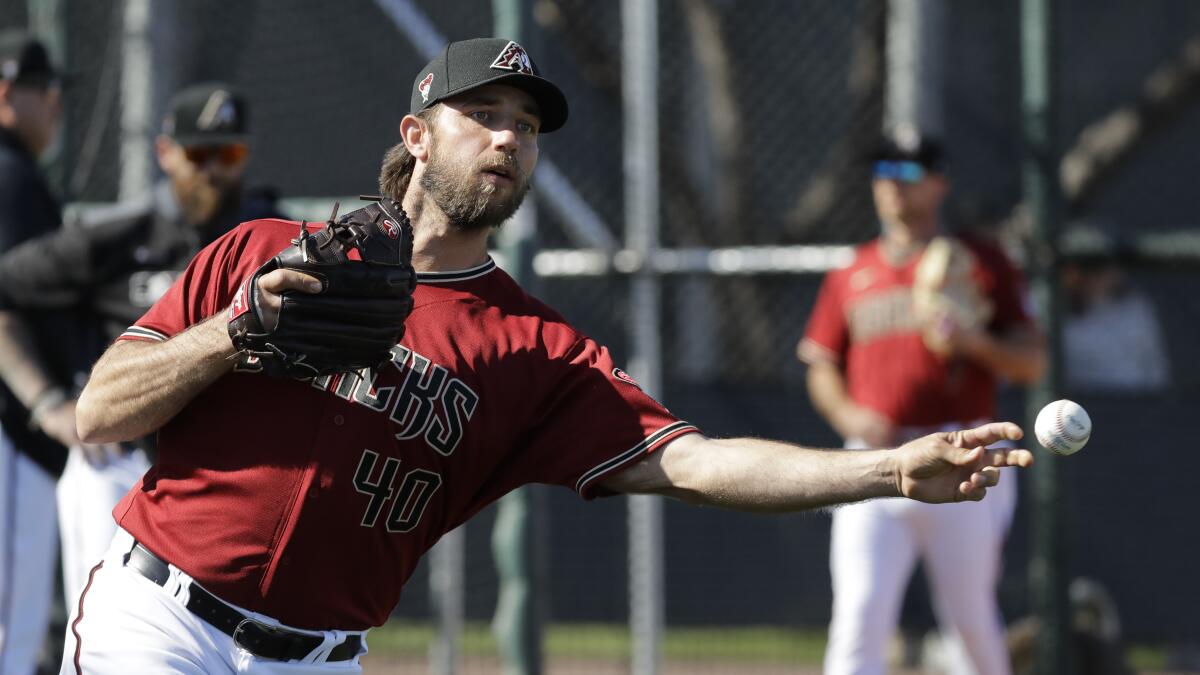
{"x": 391, "y": 229}
{"x": 218, "y": 112}
{"x": 624, "y": 377}
{"x": 514, "y": 58}
{"x": 423, "y": 87}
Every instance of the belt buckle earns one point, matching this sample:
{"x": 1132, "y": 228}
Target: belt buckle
{"x": 252, "y": 635}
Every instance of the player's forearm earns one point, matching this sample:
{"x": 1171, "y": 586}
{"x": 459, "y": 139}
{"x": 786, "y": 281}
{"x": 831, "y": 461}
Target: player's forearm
{"x": 136, "y": 387}
{"x": 827, "y": 391}
{"x": 1019, "y": 357}
{"x": 749, "y": 474}
{"x": 20, "y": 363}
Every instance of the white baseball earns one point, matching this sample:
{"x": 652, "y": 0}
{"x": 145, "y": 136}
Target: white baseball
{"x": 1063, "y": 427}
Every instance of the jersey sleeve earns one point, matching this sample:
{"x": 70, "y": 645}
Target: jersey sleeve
{"x": 827, "y": 336}
{"x": 596, "y": 422}
{"x": 209, "y": 283}
{"x": 1008, "y": 289}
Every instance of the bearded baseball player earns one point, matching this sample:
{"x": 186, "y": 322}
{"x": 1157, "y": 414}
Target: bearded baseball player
{"x": 273, "y": 548}
{"x": 910, "y": 339}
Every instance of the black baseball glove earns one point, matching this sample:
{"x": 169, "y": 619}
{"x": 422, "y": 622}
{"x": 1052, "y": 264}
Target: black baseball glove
{"x": 364, "y": 263}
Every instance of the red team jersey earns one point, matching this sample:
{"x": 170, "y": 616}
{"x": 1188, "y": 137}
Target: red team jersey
{"x": 864, "y": 322}
{"x": 312, "y": 502}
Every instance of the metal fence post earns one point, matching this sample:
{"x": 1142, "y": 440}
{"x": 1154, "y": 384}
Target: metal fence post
{"x": 516, "y": 622}
{"x": 447, "y": 563}
{"x": 639, "y": 65}
{"x": 1047, "y": 567}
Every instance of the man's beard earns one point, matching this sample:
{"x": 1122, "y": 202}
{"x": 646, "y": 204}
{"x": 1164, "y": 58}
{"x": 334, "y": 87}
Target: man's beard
{"x": 200, "y": 200}
{"x": 469, "y": 203}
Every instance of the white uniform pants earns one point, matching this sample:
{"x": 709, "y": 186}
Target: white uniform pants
{"x": 28, "y": 545}
{"x": 124, "y": 623}
{"x": 87, "y": 493}
{"x": 874, "y": 549}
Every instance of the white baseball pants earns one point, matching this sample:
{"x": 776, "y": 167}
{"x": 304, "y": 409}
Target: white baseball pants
{"x": 124, "y": 623}
{"x": 87, "y": 493}
{"x": 874, "y": 549}
{"x": 28, "y": 547}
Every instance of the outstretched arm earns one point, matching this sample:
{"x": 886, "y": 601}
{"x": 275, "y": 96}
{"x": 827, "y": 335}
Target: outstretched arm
{"x": 767, "y": 476}
{"x": 136, "y": 387}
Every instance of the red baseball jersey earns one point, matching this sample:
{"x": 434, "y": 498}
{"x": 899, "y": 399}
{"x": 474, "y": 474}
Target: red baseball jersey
{"x": 313, "y": 501}
{"x": 864, "y": 321}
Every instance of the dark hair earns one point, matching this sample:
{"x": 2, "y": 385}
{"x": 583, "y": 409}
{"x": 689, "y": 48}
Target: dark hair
{"x": 398, "y": 163}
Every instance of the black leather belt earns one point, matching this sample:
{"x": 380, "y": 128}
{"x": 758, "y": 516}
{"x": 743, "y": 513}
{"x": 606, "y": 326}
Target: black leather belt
{"x": 260, "y": 639}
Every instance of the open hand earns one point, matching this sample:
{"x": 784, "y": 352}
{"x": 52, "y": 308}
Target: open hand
{"x": 98, "y": 455}
{"x": 59, "y": 423}
{"x": 956, "y": 466}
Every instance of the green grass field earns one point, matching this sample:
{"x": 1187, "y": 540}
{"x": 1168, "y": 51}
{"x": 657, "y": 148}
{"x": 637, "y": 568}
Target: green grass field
{"x": 744, "y": 645}
{"x": 612, "y": 641}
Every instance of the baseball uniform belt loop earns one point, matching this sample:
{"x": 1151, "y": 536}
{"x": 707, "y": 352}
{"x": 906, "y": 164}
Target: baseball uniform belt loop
{"x": 259, "y": 638}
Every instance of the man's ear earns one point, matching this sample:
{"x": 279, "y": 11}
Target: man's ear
{"x": 416, "y": 134}
{"x": 162, "y": 150}
{"x": 941, "y": 183}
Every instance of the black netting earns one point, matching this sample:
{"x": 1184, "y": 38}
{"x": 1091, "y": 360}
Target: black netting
{"x": 766, "y": 109}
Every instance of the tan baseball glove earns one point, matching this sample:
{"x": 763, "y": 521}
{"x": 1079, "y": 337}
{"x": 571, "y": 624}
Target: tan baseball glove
{"x": 946, "y": 296}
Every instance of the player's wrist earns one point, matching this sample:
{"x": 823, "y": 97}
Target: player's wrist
{"x": 887, "y": 473}
{"x": 44, "y": 403}
{"x": 218, "y": 343}
{"x": 977, "y": 345}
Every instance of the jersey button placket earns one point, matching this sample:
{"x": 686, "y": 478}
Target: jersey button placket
{"x": 314, "y": 490}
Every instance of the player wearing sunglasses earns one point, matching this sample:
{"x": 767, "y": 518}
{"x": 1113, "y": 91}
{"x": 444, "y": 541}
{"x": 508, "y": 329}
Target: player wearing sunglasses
{"x": 913, "y": 337}
{"x": 112, "y": 263}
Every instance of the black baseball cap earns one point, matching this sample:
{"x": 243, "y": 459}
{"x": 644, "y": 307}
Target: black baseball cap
{"x": 909, "y": 145}
{"x": 468, "y": 64}
{"x": 208, "y": 113}
{"x": 24, "y": 60}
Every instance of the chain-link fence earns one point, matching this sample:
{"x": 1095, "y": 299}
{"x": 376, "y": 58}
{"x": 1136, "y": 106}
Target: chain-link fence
{"x": 765, "y": 111}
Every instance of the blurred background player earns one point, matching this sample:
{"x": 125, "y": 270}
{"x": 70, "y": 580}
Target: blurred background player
{"x": 114, "y": 262}
{"x": 881, "y": 375}
{"x": 1112, "y": 337}
{"x": 38, "y": 361}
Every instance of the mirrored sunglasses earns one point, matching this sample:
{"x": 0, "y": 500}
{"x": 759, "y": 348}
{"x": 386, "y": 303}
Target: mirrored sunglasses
{"x": 228, "y": 155}
{"x": 903, "y": 171}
